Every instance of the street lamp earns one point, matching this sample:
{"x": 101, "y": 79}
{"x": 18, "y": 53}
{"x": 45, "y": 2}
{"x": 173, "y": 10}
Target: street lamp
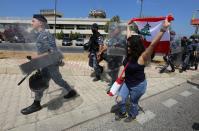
{"x": 141, "y": 8}
{"x": 55, "y": 16}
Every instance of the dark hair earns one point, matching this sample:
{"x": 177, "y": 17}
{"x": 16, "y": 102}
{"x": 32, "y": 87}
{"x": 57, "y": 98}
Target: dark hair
{"x": 136, "y": 46}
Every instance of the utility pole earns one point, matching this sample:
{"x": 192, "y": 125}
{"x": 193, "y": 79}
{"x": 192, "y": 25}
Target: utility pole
{"x": 55, "y": 16}
{"x": 141, "y": 8}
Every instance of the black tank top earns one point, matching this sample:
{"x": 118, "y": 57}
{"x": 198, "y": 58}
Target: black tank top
{"x": 134, "y": 73}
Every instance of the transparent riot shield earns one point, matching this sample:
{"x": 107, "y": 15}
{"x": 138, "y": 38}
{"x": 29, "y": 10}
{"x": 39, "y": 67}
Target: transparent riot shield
{"x": 176, "y": 51}
{"x": 116, "y": 40}
{"x": 20, "y": 40}
{"x": 41, "y": 40}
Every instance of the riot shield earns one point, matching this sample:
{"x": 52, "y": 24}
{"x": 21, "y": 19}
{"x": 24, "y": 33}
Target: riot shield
{"x": 116, "y": 45}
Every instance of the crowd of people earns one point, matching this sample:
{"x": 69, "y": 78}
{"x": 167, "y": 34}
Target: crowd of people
{"x": 135, "y": 58}
{"x": 185, "y": 51}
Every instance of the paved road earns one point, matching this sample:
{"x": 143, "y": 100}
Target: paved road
{"x": 174, "y": 110}
{"x": 31, "y": 47}
{"x": 58, "y": 114}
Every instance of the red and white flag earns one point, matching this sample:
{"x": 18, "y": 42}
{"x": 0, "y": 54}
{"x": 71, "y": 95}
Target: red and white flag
{"x": 149, "y": 27}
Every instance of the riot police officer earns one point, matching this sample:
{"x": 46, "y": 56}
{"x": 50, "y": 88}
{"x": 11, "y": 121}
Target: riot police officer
{"x": 114, "y": 60}
{"x": 45, "y": 43}
{"x": 95, "y": 46}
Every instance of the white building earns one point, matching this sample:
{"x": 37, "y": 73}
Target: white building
{"x": 67, "y": 25}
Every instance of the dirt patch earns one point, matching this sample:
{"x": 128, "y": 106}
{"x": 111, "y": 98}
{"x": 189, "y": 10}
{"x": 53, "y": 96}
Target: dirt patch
{"x": 23, "y": 54}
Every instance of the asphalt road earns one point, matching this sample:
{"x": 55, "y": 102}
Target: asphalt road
{"x": 32, "y": 47}
{"x": 174, "y": 110}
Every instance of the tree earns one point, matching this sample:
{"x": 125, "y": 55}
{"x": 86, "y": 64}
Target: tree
{"x": 74, "y": 36}
{"x": 195, "y": 36}
{"x": 60, "y": 35}
{"x": 113, "y": 19}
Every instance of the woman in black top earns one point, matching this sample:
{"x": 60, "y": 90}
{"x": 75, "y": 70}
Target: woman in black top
{"x": 135, "y": 82}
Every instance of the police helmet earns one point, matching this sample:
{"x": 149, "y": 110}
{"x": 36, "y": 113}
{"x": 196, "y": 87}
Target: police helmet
{"x": 40, "y": 18}
{"x": 94, "y": 26}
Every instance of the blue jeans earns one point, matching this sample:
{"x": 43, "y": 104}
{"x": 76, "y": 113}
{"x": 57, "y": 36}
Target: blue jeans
{"x": 135, "y": 94}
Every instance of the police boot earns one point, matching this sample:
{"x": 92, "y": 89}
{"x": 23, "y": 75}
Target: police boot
{"x": 97, "y": 78}
{"x": 172, "y": 70}
{"x": 101, "y": 69}
{"x": 71, "y": 94}
{"x": 32, "y": 108}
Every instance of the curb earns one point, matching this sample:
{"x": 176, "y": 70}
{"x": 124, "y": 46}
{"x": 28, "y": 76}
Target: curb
{"x": 193, "y": 83}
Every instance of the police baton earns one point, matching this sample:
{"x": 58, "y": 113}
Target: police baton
{"x": 29, "y": 58}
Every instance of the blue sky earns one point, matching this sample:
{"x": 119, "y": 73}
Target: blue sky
{"x": 126, "y": 9}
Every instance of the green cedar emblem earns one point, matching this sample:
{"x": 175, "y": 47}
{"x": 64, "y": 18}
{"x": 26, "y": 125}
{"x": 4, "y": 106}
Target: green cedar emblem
{"x": 145, "y": 31}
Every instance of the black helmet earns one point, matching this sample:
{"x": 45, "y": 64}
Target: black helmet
{"x": 40, "y": 18}
{"x": 94, "y": 26}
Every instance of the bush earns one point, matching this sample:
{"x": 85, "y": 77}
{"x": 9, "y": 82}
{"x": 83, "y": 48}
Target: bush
{"x": 74, "y": 36}
{"x": 60, "y": 35}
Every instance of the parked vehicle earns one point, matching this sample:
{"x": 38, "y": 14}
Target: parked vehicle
{"x": 86, "y": 46}
{"x": 17, "y": 39}
{"x": 1, "y": 37}
{"x": 66, "y": 41}
{"x": 79, "y": 42}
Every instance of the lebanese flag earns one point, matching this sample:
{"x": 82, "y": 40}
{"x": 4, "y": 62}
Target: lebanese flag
{"x": 149, "y": 27}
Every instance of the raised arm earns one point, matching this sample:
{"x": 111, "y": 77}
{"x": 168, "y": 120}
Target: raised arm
{"x": 146, "y": 55}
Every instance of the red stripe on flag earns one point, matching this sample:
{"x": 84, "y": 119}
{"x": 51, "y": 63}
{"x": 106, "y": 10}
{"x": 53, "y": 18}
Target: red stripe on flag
{"x": 151, "y": 19}
{"x": 162, "y": 46}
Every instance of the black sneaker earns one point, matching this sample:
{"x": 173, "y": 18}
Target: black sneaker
{"x": 130, "y": 118}
{"x": 71, "y": 94}
{"x": 108, "y": 91}
{"x": 32, "y": 108}
{"x": 96, "y": 79}
{"x": 181, "y": 70}
{"x": 173, "y": 70}
{"x": 119, "y": 116}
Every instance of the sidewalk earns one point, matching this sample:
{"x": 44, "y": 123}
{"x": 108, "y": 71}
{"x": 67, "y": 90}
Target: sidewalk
{"x": 194, "y": 81}
{"x": 58, "y": 114}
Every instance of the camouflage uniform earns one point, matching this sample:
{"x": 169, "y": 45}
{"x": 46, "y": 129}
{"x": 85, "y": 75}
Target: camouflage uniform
{"x": 45, "y": 43}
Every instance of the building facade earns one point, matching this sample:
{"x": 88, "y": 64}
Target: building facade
{"x": 67, "y": 25}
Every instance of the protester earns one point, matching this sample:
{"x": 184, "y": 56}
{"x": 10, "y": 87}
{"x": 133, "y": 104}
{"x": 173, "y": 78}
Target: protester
{"x": 135, "y": 82}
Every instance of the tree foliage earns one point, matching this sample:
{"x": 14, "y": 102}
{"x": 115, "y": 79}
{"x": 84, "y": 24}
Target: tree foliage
{"x": 74, "y": 36}
{"x": 113, "y": 19}
{"x": 60, "y": 35}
